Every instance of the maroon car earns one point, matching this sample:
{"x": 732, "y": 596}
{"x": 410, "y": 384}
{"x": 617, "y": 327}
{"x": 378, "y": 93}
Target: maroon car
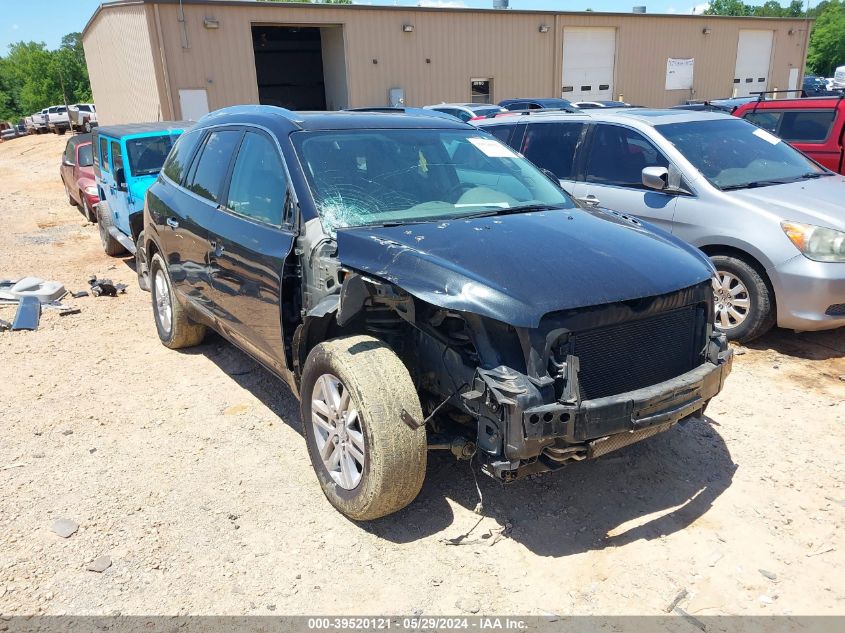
{"x": 78, "y": 175}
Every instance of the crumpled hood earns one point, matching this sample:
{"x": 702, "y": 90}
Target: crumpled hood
{"x": 518, "y": 268}
{"x": 820, "y": 201}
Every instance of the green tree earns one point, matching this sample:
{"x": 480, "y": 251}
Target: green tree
{"x": 728, "y": 7}
{"x": 33, "y": 77}
{"x": 827, "y": 42}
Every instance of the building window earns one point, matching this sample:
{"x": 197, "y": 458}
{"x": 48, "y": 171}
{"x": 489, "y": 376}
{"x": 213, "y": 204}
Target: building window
{"x": 482, "y": 90}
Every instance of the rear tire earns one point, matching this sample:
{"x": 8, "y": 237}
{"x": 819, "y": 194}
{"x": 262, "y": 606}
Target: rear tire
{"x": 141, "y": 264}
{"x": 175, "y": 328}
{"x": 104, "y": 222}
{"x": 70, "y": 199}
{"x": 389, "y": 456}
{"x": 743, "y": 292}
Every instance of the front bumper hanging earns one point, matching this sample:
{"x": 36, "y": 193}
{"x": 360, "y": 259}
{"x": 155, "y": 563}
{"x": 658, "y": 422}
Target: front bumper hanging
{"x": 515, "y": 431}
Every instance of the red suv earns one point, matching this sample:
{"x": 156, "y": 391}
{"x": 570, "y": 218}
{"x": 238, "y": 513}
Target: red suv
{"x": 814, "y": 125}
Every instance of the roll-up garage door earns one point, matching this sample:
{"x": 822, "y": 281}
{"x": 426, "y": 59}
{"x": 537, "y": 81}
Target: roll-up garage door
{"x": 589, "y": 54}
{"x": 753, "y": 57}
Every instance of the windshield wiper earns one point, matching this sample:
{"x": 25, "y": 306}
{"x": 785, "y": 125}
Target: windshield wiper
{"x": 756, "y": 183}
{"x": 525, "y": 208}
{"x": 783, "y": 181}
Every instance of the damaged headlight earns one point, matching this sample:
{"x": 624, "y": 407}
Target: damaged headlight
{"x": 91, "y": 191}
{"x": 816, "y": 242}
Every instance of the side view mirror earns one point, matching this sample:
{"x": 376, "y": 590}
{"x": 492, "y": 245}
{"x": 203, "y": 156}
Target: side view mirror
{"x": 67, "y": 163}
{"x": 120, "y": 178}
{"x": 656, "y": 178}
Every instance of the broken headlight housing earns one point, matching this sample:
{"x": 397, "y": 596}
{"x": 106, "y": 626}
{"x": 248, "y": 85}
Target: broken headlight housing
{"x": 816, "y": 242}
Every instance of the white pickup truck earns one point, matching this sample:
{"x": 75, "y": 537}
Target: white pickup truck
{"x": 58, "y": 121}
{"x": 37, "y": 123}
{"x": 83, "y": 116}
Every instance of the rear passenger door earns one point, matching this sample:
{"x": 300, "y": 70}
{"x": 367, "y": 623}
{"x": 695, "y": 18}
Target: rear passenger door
{"x": 612, "y": 174}
{"x": 556, "y": 146}
{"x": 252, "y": 236}
{"x": 196, "y": 211}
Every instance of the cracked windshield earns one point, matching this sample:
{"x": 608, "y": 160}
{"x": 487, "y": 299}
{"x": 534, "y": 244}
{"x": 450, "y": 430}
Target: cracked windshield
{"x": 405, "y": 176}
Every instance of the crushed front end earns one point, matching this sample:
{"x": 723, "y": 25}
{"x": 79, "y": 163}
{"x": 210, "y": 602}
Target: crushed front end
{"x": 590, "y": 380}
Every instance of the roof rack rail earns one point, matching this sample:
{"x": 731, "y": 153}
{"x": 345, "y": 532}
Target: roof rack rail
{"x": 494, "y": 115}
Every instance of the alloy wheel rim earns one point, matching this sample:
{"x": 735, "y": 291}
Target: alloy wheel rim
{"x": 338, "y": 432}
{"x": 162, "y": 301}
{"x": 731, "y": 300}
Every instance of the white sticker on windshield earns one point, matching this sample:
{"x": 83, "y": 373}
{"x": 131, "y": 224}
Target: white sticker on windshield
{"x": 492, "y": 148}
{"x": 766, "y": 136}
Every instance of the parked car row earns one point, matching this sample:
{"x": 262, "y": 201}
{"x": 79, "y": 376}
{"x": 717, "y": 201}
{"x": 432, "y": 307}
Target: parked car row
{"x": 80, "y": 117}
{"x": 532, "y": 290}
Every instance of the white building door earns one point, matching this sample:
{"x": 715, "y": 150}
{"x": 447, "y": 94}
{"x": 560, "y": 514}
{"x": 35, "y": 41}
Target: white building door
{"x": 753, "y": 58}
{"x": 589, "y": 54}
{"x": 194, "y": 104}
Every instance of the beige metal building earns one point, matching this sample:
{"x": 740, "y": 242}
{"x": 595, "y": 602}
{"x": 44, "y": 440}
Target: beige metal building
{"x": 165, "y": 59}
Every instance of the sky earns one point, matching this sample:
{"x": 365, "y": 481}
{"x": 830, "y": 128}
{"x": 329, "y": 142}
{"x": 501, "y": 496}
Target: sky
{"x": 48, "y": 20}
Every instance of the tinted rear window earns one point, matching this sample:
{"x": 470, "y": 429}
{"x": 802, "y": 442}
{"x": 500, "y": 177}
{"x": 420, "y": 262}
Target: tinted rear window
{"x": 213, "y": 163}
{"x": 552, "y": 146}
{"x": 177, "y": 162}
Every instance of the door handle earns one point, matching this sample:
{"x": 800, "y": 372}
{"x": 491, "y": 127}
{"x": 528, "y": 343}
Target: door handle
{"x": 590, "y": 200}
{"x": 217, "y": 248}
{"x": 173, "y": 224}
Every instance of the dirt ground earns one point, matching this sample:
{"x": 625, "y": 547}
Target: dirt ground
{"x": 189, "y": 470}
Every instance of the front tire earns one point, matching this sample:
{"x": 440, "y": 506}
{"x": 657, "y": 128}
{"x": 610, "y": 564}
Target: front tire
{"x": 368, "y": 461}
{"x": 744, "y": 303}
{"x": 175, "y": 328}
{"x": 90, "y": 214}
{"x": 104, "y": 222}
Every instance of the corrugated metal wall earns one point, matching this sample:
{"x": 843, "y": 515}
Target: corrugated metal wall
{"x": 119, "y": 53}
{"x": 435, "y": 61}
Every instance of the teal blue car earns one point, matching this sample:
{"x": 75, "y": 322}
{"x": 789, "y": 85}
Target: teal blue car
{"x": 127, "y": 160}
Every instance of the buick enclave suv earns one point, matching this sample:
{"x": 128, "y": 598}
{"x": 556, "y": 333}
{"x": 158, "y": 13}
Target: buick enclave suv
{"x": 419, "y": 285}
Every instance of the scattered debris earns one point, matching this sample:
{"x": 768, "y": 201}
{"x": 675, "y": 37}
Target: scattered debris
{"x": 765, "y": 599}
{"x": 105, "y": 287}
{"x": 69, "y": 311}
{"x": 5, "y": 325}
{"x": 79, "y": 295}
{"x": 43, "y": 291}
{"x": 28, "y": 314}
{"x": 768, "y": 574}
{"x": 691, "y": 619}
{"x": 820, "y": 551}
{"x": 739, "y": 351}
{"x": 683, "y": 593}
{"x": 99, "y": 564}
{"x": 67, "y": 432}
{"x": 10, "y": 466}
{"x": 65, "y": 527}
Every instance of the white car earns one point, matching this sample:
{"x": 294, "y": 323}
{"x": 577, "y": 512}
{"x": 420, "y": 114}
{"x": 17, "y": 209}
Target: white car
{"x": 466, "y": 111}
{"x": 838, "y": 79}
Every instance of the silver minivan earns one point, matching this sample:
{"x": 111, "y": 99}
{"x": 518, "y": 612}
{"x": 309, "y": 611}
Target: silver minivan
{"x": 771, "y": 219}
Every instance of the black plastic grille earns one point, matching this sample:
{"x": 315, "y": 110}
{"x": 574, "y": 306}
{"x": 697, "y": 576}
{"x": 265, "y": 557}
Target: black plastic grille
{"x": 837, "y": 309}
{"x": 637, "y": 354}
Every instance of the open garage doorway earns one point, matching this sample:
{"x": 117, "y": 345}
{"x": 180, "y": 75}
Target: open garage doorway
{"x": 300, "y": 67}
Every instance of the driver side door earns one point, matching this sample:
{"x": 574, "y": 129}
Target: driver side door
{"x": 612, "y": 175}
{"x": 117, "y": 195}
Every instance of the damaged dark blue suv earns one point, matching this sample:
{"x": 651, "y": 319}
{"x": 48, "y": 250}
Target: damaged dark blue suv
{"x": 421, "y": 286}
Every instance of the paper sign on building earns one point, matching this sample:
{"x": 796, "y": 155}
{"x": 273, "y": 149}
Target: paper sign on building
{"x": 679, "y": 74}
